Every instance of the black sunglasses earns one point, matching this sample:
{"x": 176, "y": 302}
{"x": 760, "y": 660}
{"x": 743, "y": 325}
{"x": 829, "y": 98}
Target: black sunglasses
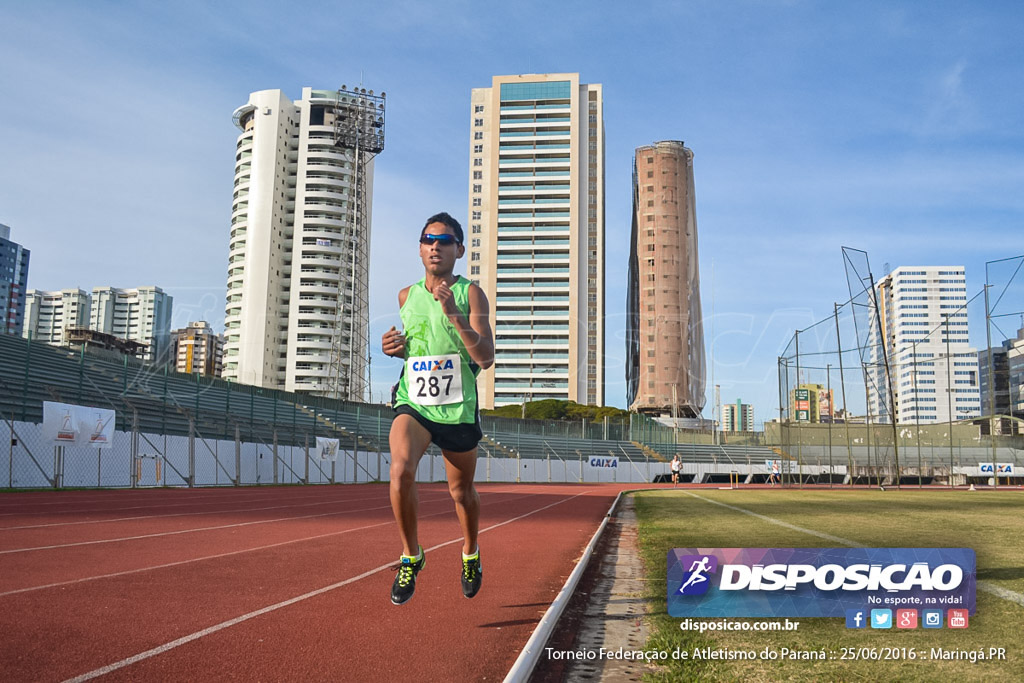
{"x": 443, "y": 240}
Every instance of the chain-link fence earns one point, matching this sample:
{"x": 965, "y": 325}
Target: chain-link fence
{"x": 142, "y": 459}
{"x": 889, "y": 389}
{"x": 189, "y": 430}
{"x": 182, "y": 430}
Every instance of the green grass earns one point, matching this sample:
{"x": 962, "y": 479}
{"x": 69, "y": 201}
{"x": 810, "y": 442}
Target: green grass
{"x": 990, "y": 523}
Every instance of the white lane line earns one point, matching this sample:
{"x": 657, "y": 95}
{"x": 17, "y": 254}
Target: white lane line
{"x": 779, "y": 522}
{"x": 102, "y": 671}
{"x": 207, "y": 557}
{"x": 186, "y": 514}
{"x": 199, "y": 500}
{"x": 139, "y": 570}
{"x": 191, "y": 531}
{"x": 1000, "y": 592}
{"x": 155, "y": 505}
{"x": 986, "y": 586}
{"x": 153, "y": 497}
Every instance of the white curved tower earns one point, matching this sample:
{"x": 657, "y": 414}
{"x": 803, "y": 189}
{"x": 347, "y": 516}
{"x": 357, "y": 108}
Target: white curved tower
{"x": 300, "y": 231}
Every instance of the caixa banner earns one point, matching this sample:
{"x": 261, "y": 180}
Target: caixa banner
{"x": 816, "y": 582}
{"x": 600, "y": 463}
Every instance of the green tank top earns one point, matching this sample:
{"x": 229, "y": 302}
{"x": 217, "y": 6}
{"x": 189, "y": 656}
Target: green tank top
{"x": 439, "y": 378}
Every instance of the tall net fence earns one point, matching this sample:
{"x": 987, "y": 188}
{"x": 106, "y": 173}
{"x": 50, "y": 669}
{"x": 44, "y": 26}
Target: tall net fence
{"x": 889, "y": 389}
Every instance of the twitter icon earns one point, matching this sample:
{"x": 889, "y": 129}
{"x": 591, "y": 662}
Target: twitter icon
{"x": 881, "y": 618}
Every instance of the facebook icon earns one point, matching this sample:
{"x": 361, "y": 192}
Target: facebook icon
{"x": 855, "y": 618}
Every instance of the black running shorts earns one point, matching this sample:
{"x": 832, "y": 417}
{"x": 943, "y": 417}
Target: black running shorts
{"x": 457, "y": 438}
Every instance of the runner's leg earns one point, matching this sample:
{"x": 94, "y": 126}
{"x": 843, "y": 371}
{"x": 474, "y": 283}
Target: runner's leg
{"x": 409, "y": 441}
{"x": 461, "y": 468}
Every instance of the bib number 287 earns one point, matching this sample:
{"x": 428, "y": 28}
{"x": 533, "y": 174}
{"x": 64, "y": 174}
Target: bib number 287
{"x": 432, "y": 386}
{"x": 435, "y": 380}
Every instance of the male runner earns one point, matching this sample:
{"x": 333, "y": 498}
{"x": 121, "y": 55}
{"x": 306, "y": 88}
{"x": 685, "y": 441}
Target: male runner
{"x": 445, "y": 342}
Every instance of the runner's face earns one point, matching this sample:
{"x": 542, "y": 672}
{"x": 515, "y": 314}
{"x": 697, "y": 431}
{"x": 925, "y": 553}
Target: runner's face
{"x": 439, "y": 259}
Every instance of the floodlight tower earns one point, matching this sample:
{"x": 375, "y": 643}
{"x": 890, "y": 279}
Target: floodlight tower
{"x": 359, "y": 133}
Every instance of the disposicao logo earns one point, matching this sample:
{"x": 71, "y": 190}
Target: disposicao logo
{"x": 696, "y": 580}
{"x": 817, "y": 582}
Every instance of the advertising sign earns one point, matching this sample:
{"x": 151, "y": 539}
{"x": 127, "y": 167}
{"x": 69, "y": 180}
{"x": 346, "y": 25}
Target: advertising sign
{"x": 825, "y": 405}
{"x": 610, "y": 462}
{"x": 71, "y": 425}
{"x": 817, "y": 582}
{"x": 327, "y": 449}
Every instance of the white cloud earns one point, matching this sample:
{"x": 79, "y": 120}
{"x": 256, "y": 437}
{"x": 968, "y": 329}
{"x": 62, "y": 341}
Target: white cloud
{"x": 950, "y": 111}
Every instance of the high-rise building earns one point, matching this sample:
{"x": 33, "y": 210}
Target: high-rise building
{"x": 1004, "y": 396}
{"x": 664, "y": 333}
{"x": 1015, "y": 377}
{"x": 924, "y": 349}
{"x": 49, "y": 315}
{"x": 536, "y": 235}
{"x": 141, "y": 315}
{"x": 738, "y": 417}
{"x": 13, "y": 283}
{"x": 297, "y": 313}
{"x": 197, "y": 349}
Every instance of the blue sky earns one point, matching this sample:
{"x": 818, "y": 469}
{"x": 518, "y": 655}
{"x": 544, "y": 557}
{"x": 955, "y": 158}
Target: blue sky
{"x": 893, "y": 127}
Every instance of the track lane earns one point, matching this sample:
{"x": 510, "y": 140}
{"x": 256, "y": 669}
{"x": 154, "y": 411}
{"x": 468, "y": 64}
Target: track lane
{"x": 184, "y": 501}
{"x": 354, "y": 633}
{"x": 24, "y": 571}
{"x": 131, "y": 614}
{"x": 38, "y": 538}
{"x": 20, "y": 502}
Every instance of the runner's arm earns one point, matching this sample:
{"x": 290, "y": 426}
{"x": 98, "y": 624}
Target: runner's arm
{"x": 393, "y": 341}
{"x": 476, "y": 332}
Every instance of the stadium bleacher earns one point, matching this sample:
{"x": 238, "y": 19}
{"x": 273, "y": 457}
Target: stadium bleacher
{"x": 156, "y": 400}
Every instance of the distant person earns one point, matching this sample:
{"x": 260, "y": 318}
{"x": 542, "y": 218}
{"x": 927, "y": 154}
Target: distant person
{"x": 446, "y": 341}
{"x": 676, "y": 466}
{"x": 773, "y": 475}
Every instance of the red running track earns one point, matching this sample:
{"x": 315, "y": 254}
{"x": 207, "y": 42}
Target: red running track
{"x": 276, "y": 583}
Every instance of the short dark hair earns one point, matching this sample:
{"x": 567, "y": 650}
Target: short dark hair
{"x": 445, "y": 219}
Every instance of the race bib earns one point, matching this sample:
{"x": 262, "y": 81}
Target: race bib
{"x": 435, "y": 380}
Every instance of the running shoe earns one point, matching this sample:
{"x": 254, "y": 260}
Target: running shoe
{"x": 472, "y": 575}
{"x": 405, "y": 581}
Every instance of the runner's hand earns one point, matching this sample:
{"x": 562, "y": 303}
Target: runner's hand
{"x": 443, "y": 295}
{"x": 393, "y": 343}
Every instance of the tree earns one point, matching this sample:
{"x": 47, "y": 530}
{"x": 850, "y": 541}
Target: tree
{"x": 554, "y": 409}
